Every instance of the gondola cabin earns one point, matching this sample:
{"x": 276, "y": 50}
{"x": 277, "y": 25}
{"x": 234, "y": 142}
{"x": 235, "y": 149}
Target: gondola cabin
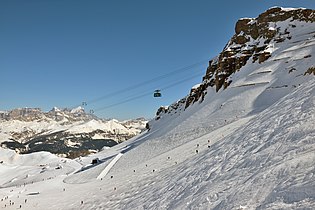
{"x": 157, "y": 93}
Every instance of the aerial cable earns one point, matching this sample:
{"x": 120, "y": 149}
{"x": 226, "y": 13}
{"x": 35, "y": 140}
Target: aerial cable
{"x": 122, "y": 102}
{"x": 160, "y": 88}
{"x": 182, "y": 81}
{"x": 147, "y": 82}
{"x": 132, "y": 87}
{"x": 148, "y": 93}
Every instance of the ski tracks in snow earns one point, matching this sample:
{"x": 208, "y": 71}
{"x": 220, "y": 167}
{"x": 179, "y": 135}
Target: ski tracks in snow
{"x": 109, "y": 166}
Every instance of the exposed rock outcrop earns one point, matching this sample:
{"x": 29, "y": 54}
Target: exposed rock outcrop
{"x": 252, "y": 42}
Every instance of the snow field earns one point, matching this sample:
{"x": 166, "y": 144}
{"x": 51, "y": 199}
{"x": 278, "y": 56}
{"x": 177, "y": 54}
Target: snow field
{"x": 247, "y": 147}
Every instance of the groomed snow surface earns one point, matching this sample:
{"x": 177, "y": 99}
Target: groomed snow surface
{"x": 247, "y": 147}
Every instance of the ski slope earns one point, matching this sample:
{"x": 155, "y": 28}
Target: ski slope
{"x": 251, "y": 146}
{"x": 271, "y": 167}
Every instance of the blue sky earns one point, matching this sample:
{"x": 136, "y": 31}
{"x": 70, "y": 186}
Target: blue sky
{"x": 113, "y": 54}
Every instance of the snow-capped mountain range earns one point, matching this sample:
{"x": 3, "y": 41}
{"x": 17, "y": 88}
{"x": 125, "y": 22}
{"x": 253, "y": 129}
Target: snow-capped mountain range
{"x": 242, "y": 139}
{"x": 63, "y": 131}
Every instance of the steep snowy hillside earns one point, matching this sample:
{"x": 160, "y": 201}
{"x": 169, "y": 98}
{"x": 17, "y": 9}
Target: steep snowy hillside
{"x": 286, "y": 48}
{"x": 63, "y": 131}
{"x": 242, "y": 139}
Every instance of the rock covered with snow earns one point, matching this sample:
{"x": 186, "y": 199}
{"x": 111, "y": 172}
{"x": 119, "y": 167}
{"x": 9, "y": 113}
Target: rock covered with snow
{"x": 257, "y": 40}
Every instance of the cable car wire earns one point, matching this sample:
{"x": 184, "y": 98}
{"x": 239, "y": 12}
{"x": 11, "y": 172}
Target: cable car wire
{"x": 132, "y": 87}
{"x": 147, "y": 93}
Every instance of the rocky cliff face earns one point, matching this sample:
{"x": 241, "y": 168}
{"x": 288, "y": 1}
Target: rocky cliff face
{"x": 253, "y": 42}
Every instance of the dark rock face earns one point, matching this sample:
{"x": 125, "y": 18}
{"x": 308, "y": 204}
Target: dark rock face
{"x": 259, "y": 27}
{"x": 250, "y": 41}
{"x": 310, "y": 71}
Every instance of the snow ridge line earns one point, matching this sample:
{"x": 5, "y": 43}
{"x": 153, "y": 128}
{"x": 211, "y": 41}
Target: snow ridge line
{"x": 109, "y": 166}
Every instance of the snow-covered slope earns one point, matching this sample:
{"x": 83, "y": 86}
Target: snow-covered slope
{"x": 248, "y": 146}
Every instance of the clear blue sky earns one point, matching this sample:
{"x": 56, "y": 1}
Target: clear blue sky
{"x": 63, "y": 52}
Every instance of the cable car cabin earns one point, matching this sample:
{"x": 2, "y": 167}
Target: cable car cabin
{"x": 157, "y": 93}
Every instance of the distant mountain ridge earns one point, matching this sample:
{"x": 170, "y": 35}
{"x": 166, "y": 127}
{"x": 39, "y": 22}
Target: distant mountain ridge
{"x": 30, "y": 114}
{"x": 63, "y": 131}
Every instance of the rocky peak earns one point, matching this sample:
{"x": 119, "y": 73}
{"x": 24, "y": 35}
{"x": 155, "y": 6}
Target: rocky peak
{"x": 78, "y": 110}
{"x": 253, "y": 41}
{"x": 260, "y": 26}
